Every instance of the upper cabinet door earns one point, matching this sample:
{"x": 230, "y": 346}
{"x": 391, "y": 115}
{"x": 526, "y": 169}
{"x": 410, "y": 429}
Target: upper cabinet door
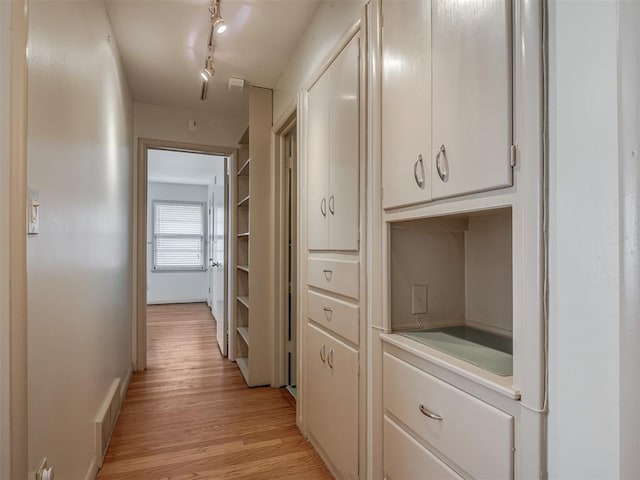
{"x": 472, "y": 96}
{"x": 344, "y": 146}
{"x": 406, "y": 102}
{"x": 318, "y": 165}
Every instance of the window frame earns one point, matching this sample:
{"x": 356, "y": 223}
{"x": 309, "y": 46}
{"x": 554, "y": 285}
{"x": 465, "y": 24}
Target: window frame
{"x": 154, "y": 236}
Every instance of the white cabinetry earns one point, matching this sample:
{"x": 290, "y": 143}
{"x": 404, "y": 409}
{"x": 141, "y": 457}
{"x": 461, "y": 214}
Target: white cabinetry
{"x": 406, "y": 102}
{"x": 332, "y": 390}
{"x": 333, "y": 399}
{"x": 446, "y": 99}
{"x": 472, "y": 96}
{"x": 333, "y": 154}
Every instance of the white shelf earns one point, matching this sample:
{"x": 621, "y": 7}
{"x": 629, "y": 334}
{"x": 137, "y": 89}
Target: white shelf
{"x": 244, "y": 300}
{"x": 243, "y": 364}
{"x": 244, "y": 202}
{"x": 244, "y": 167}
{"x": 244, "y": 268}
{"x": 244, "y": 333}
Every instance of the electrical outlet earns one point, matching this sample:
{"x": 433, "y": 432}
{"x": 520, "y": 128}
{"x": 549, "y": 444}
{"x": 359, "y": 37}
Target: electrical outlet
{"x": 419, "y": 304}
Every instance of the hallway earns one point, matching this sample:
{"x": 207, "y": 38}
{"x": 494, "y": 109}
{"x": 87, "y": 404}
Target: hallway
{"x": 190, "y": 414}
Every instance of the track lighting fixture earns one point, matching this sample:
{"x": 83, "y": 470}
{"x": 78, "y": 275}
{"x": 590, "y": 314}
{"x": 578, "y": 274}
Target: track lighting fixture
{"x": 217, "y": 26}
{"x": 217, "y": 22}
{"x": 209, "y": 70}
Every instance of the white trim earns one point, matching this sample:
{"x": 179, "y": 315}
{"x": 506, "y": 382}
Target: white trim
{"x": 18, "y": 386}
{"x": 139, "y": 240}
{"x": 285, "y": 125}
{"x": 171, "y": 302}
{"x": 94, "y": 468}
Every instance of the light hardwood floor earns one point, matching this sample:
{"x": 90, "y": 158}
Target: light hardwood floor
{"x": 191, "y": 416}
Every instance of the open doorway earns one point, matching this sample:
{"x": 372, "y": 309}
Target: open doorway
{"x": 181, "y": 234}
{"x": 287, "y": 251}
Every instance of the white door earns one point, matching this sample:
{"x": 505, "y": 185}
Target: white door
{"x": 318, "y": 165}
{"x": 472, "y": 96}
{"x": 406, "y": 95}
{"x": 218, "y": 263}
{"x": 344, "y": 148}
{"x": 211, "y": 271}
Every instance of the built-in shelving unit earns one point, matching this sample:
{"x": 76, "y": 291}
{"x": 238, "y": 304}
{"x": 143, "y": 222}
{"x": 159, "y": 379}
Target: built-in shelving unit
{"x": 253, "y": 270}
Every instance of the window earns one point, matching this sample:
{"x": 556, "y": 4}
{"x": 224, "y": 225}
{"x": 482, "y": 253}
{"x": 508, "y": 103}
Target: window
{"x": 178, "y": 236}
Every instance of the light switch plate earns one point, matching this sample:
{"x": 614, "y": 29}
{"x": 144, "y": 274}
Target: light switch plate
{"x": 419, "y": 304}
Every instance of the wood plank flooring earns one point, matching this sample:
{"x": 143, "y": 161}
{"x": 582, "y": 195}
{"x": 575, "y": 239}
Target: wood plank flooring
{"x": 191, "y": 416}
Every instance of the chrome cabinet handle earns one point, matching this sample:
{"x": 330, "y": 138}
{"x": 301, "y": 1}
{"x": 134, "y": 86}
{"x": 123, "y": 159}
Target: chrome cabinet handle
{"x": 419, "y": 181}
{"x": 443, "y": 173}
{"x": 328, "y": 313}
{"x": 428, "y": 413}
{"x": 330, "y": 358}
{"x": 332, "y": 205}
{"x": 323, "y": 207}
{"x": 323, "y": 353}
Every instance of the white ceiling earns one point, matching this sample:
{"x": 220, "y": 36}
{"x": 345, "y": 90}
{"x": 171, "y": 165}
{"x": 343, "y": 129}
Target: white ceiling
{"x": 181, "y": 167}
{"x": 163, "y": 45}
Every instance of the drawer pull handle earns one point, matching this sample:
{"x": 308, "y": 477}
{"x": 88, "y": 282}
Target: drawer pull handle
{"x": 323, "y": 353}
{"x": 330, "y": 358}
{"x": 323, "y": 207}
{"x": 428, "y": 413}
{"x": 332, "y": 209}
{"x": 327, "y": 274}
{"x": 329, "y": 311}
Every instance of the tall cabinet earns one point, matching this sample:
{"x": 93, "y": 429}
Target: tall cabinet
{"x": 252, "y": 331}
{"x": 332, "y": 258}
{"x": 458, "y": 335}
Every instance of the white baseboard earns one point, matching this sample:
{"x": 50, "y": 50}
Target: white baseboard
{"x": 93, "y": 469}
{"x": 169, "y": 302}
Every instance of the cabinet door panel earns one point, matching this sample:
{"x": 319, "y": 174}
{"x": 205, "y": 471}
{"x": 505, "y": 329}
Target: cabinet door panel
{"x": 472, "y": 95}
{"x": 332, "y": 399}
{"x": 406, "y": 102}
{"x": 344, "y": 159}
{"x": 318, "y": 165}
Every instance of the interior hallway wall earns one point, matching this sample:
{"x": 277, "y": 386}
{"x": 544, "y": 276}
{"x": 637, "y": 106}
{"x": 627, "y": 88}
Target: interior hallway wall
{"x": 174, "y": 287}
{"x": 327, "y": 26}
{"x": 79, "y": 266}
{"x": 584, "y": 289}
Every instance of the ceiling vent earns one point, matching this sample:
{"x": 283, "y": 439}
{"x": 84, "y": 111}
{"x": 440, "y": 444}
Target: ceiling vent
{"x": 236, "y": 84}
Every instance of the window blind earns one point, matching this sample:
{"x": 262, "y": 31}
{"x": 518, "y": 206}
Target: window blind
{"x": 178, "y": 236}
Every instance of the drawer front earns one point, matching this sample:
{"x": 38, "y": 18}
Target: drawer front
{"x": 338, "y": 276}
{"x": 332, "y": 399}
{"x": 406, "y": 459}
{"x": 474, "y": 435}
{"x": 335, "y": 315}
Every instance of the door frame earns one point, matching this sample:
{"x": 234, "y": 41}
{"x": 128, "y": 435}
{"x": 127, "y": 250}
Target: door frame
{"x": 285, "y": 124}
{"x": 13, "y": 242}
{"x": 139, "y": 218}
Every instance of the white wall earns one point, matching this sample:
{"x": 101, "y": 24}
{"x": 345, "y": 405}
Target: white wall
{"x": 328, "y": 24}
{"x": 5, "y": 95}
{"x": 174, "y": 287}
{"x": 172, "y": 124}
{"x": 583, "y": 423}
{"x": 79, "y": 266}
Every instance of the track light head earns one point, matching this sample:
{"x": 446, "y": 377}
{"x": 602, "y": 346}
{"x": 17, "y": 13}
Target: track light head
{"x": 208, "y": 71}
{"x": 219, "y": 25}
{"x": 217, "y": 22}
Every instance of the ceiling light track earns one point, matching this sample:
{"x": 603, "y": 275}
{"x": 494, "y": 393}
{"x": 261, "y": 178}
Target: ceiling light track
{"x": 217, "y": 26}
